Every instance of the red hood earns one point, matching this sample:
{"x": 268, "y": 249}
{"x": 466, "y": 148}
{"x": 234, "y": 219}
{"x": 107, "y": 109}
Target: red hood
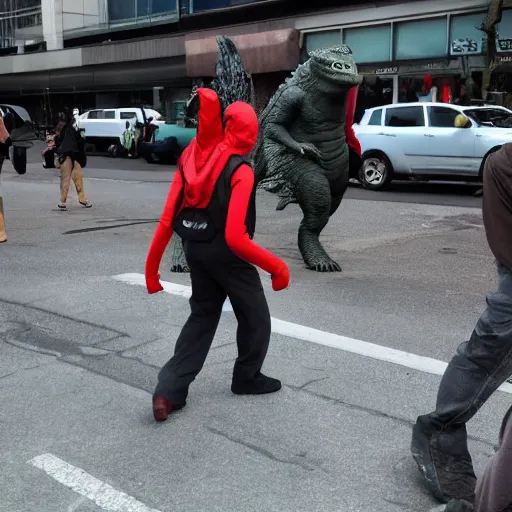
{"x": 207, "y": 155}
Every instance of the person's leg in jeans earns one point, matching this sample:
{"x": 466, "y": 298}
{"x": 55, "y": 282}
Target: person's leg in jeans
{"x": 245, "y": 291}
{"x": 66, "y": 168}
{"x": 77, "y": 176}
{"x": 193, "y": 343}
{"x": 481, "y": 365}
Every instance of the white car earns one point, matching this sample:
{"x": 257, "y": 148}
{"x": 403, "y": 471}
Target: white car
{"x": 432, "y": 141}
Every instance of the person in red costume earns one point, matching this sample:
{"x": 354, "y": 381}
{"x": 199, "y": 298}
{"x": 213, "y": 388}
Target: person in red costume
{"x": 352, "y": 140}
{"x": 354, "y": 146}
{"x": 222, "y": 267}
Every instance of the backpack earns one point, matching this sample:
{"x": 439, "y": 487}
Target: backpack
{"x": 204, "y": 224}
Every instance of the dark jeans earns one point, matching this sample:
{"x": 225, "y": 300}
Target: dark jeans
{"x": 216, "y": 273}
{"x": 480, "y": 366}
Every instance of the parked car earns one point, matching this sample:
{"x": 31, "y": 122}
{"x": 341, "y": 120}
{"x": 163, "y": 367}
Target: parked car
{"x": 430, "y": 141}
{"x": 104, "y": 128}
{"x": 167, "y": 143}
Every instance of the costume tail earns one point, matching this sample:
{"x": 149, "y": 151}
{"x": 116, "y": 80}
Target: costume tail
{"x": 232, "y": 82}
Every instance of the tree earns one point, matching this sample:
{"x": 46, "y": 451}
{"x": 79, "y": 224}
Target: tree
{"x": 488, "y": 27}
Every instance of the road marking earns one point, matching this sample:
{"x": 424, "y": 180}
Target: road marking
{"x": 100, "y": 493}
{"x": 301, "y": 332}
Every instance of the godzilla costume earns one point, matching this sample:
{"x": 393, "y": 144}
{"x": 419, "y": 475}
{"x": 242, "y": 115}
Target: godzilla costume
{"x": 302, "y": 154}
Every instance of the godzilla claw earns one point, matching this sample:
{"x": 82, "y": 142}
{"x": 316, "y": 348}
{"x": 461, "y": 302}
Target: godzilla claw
{"x": 322, "y": 265}
{"x": 180, "y": 269}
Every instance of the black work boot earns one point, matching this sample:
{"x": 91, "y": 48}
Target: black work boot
{"x": 260, "y": 385}
{"x": 444, "y": 460}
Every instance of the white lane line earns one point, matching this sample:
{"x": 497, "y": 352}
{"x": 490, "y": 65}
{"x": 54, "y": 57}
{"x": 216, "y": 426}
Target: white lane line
{"x": 100, "y": 493}
{"x": 301, "y": 332}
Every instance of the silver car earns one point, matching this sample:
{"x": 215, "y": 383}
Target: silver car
{"x": 431, "y": 141}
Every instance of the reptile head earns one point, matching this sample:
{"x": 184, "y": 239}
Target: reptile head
{"x": 335, "y": 65}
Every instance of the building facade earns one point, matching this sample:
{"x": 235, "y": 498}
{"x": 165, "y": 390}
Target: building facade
{"x": 108, "y": 53}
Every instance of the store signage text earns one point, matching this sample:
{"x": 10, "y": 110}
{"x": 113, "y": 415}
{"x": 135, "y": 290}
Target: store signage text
{"x": 386, "y": 71}
{"x": 464, "y": 46}
{"x": 505, "y": 45}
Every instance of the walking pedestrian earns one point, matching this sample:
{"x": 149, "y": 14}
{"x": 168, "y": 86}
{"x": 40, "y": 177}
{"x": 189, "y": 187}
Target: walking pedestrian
{"x": 69, "y": 157}
{"x": 482, "y": 364}
{"x": 211, "y": 206}
{"x": 5, "y": 143}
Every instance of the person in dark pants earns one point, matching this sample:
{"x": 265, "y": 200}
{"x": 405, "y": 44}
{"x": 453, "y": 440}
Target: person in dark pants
{"x": 482, "y": 364}
{"x": 211, "y": 206}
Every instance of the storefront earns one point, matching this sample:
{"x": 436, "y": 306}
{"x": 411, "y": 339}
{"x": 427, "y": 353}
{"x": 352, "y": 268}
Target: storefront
{"x": 424, "y": 58}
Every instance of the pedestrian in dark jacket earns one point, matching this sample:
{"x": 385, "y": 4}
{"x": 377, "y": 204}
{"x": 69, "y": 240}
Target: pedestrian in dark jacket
{"x": 69, "y": 158}
{"x": 482, "y": 364}
{"x": 211, "y": 206}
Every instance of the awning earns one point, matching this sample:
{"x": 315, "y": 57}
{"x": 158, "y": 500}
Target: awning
{"x": 264, "y": 52}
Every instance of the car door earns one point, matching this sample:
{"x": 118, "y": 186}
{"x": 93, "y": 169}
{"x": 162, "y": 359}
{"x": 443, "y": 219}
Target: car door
{"x": 403, "y": 133}
{"x": 451, "y": 149}
{"x": 368, "y": 129}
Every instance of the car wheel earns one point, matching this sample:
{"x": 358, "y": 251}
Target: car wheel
{"x": 482, "y": 165}
{"x": 375, "y": 174}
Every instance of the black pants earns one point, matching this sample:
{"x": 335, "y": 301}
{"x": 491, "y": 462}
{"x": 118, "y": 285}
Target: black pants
{"x": 480, "y": 366}
{"x": 216, "y": 273}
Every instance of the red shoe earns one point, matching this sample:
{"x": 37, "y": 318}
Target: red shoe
{"x": 162, "y": 407}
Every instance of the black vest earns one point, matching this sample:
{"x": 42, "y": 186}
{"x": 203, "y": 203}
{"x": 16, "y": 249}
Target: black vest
{"x": 204, "y": 224}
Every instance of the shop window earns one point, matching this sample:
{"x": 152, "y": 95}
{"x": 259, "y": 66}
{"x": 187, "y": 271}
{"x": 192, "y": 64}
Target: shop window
{"x": 505, "y": 32}
{"x": 465, "y": 37}
{"x": 369, "y": 44}
{"x": 376, "y": 118}
{"x": 318, "y": 40}
{"x": 442, "y": 117}
{"x": 405, "y": 117}
{"x": 422, "y": 39}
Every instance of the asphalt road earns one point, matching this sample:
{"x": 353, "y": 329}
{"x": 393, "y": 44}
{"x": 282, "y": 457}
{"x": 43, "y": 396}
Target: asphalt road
{"x": 80, "y": 349}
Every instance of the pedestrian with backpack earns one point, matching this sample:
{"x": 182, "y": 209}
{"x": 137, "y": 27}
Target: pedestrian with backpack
{"x": 211, "y": 206}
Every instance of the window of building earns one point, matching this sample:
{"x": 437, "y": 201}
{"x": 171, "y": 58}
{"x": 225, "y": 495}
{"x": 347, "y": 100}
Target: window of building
{"x": 420, "y": 39}
{"x": 465, "y": 37}
{"x": 208, "y": 5}
{"x": 505, "y": 32}
{"x": 405, "y": 117}
{"x": 319, "y": 40}
{"x": 442, "y": 117}
{"x": 376, "y": 118}
{"x": 369, "y": 44}
{"x": 162, "y": 6}
{"x": 124, "y": 10}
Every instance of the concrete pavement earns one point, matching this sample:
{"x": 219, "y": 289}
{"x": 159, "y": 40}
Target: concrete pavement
{"x": 80, "y": 350}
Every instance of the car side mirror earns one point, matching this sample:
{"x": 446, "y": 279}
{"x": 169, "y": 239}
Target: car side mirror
{"x": 461, "y": 121}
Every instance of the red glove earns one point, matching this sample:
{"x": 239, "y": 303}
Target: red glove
{"x": 153, "y": 284}
{"x": 281, "y": 279}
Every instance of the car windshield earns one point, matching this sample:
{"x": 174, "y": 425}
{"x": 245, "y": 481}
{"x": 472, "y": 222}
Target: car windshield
{"x": 496, "y": 117}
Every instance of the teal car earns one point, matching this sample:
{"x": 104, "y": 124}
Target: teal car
{"x": 167, "y": 142}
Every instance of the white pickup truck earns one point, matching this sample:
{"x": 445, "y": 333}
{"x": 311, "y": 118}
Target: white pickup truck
{"x": 105, "y": 127}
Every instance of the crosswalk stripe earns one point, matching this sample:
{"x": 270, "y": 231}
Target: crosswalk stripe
{"x": 301, "y": 332}
{"x": 100, "y": 493}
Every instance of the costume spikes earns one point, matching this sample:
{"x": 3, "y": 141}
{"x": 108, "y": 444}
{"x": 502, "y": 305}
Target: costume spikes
{"x": 232, "y": 82}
